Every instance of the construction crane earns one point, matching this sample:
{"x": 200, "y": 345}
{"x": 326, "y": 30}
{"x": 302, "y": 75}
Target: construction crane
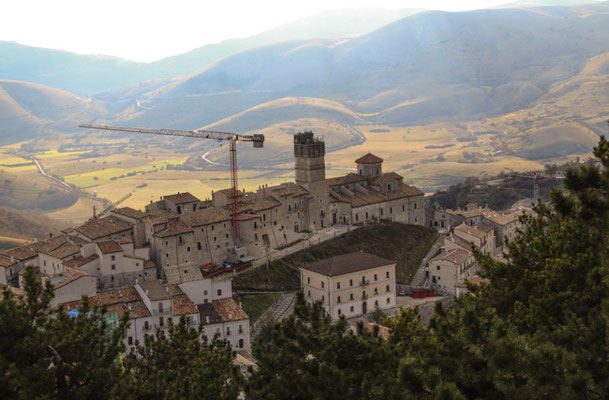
{"x": 232, "y": 138}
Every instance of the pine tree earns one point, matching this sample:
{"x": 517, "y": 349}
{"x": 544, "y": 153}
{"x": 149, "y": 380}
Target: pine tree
{"x": 182, "y": 364}
{"x": 44, "y": 353}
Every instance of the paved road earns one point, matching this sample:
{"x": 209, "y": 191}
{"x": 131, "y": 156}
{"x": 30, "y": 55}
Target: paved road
{"x": 43, "y": 172}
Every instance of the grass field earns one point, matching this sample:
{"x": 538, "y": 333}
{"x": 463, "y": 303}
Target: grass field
{"x": 405, "y": 244}
{"x": 95, "y": 178}
{"x": 255, "y": 305}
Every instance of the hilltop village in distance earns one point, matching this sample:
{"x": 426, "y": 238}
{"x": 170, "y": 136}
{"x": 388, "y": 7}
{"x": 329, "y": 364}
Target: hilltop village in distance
{"x": 177, "y": 257}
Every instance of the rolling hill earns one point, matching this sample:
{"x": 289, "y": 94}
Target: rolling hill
{"x": 87, "y": 74}
{"x": 427, "y": 67}
{"x": 28, "y": 110}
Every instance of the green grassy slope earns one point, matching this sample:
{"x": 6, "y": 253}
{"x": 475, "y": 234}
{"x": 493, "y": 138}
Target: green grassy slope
{"x": 406, "y": 244}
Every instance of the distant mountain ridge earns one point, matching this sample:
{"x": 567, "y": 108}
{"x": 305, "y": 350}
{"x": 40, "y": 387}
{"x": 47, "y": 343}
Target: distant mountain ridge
{"x": 430, "y": 66}
{"x": 87, "y": 74}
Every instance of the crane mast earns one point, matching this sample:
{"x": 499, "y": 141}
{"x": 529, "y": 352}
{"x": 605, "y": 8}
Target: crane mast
{"x": 232, "y": 138}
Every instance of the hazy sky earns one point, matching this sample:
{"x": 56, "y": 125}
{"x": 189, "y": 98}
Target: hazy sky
{"x": 146, "y": 30}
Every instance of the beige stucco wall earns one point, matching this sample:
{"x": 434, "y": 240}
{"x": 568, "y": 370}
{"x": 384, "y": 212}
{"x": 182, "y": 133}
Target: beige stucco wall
{"x": 351, "y": 290}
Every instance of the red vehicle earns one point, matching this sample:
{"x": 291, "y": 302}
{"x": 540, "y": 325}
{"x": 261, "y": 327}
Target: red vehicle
{"x": 210, "y": 271}
{"x": 420, "y": 293}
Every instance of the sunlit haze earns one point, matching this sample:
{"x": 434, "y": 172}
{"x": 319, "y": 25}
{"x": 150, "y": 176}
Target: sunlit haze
{"x": 149, "y": 30}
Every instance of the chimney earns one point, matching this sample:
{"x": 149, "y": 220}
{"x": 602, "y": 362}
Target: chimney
{"x": 146, "y": 292}
{"x": 240, "y": 305}
{"x": 230, "y": 316}
{"x": 167, "y": 289}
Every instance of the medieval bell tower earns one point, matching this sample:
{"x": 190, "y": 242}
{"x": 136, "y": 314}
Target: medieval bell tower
{"x": 309, "y": 154}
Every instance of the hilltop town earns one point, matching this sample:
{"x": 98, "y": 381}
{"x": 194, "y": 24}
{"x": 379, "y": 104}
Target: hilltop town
{"x": 178, "y": 256}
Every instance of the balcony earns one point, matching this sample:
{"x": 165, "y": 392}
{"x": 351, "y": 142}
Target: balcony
{"x": 364, "y": 296}
{"x": 364, "y": 282}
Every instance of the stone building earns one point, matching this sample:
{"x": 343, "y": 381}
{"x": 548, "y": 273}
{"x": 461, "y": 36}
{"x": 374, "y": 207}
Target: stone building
{"x": 184, "y": 232}
{"x": 153, "y": 305}
{"x": 451, "y": 267}
{"x": 372, "y": 196}
{"x": 350, "y": 285}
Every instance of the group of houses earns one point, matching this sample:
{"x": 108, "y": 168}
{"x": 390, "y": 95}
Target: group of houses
{"x": 482, "y": 228}
{"x": 149, "y": 262}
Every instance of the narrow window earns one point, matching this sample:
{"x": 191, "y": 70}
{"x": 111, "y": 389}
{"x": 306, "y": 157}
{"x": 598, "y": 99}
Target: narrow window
{"x": 219, "y": 292}
{"x": 338, "y": 285}
{"x": 322, "y": 284}
{"x": 199, "y": 245}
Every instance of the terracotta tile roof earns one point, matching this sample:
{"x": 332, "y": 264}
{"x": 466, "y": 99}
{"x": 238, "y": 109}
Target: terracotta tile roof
{"x": 209, "y": 315}
{"x": 157, "y": 213}
{"x": 115, "y": 296}
{"x": 467, "y": 213}
{"x": 288, "y": 189}
{"x": 470, "y": 230}
{"x": 155, "y": 290}
{"x": 460, "y": 242}
{"x": 80, "y": 261}
{"x": 369, "y": 159}
{"x": 229, "y": 310}
{"x": 176, "y": 227}
{"x": 22, "y": 253}
{"x": 182, "y": 305}
{"x": 374, "y": 196}
{"x": 258, "y": 204}
{"x": 48, "y": 245}
{"x": 343, "y": 180}
{"x": 104, "y": 227}
{"x": 125, "y": 240}
{"x": 248, "y": 216}
{"x": 181, "y": 198}
{"x": 347, "y": 263}
{"x": 136, "y": 309}
{"x": 119, "y": 301}
{"x": 498, "y": 218}
{"x": 455, "y": 256}
{"x": 484, "y": 227}
{"x": 109, "y": 246}
{"x": 129, "y": 212}
{"x": 6, "y": 262}
{"x": 64, "y": 251}
{"x": 209, "y": 216}
{"x": 389, "y": 176}
{"x": 70, "y": 276}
